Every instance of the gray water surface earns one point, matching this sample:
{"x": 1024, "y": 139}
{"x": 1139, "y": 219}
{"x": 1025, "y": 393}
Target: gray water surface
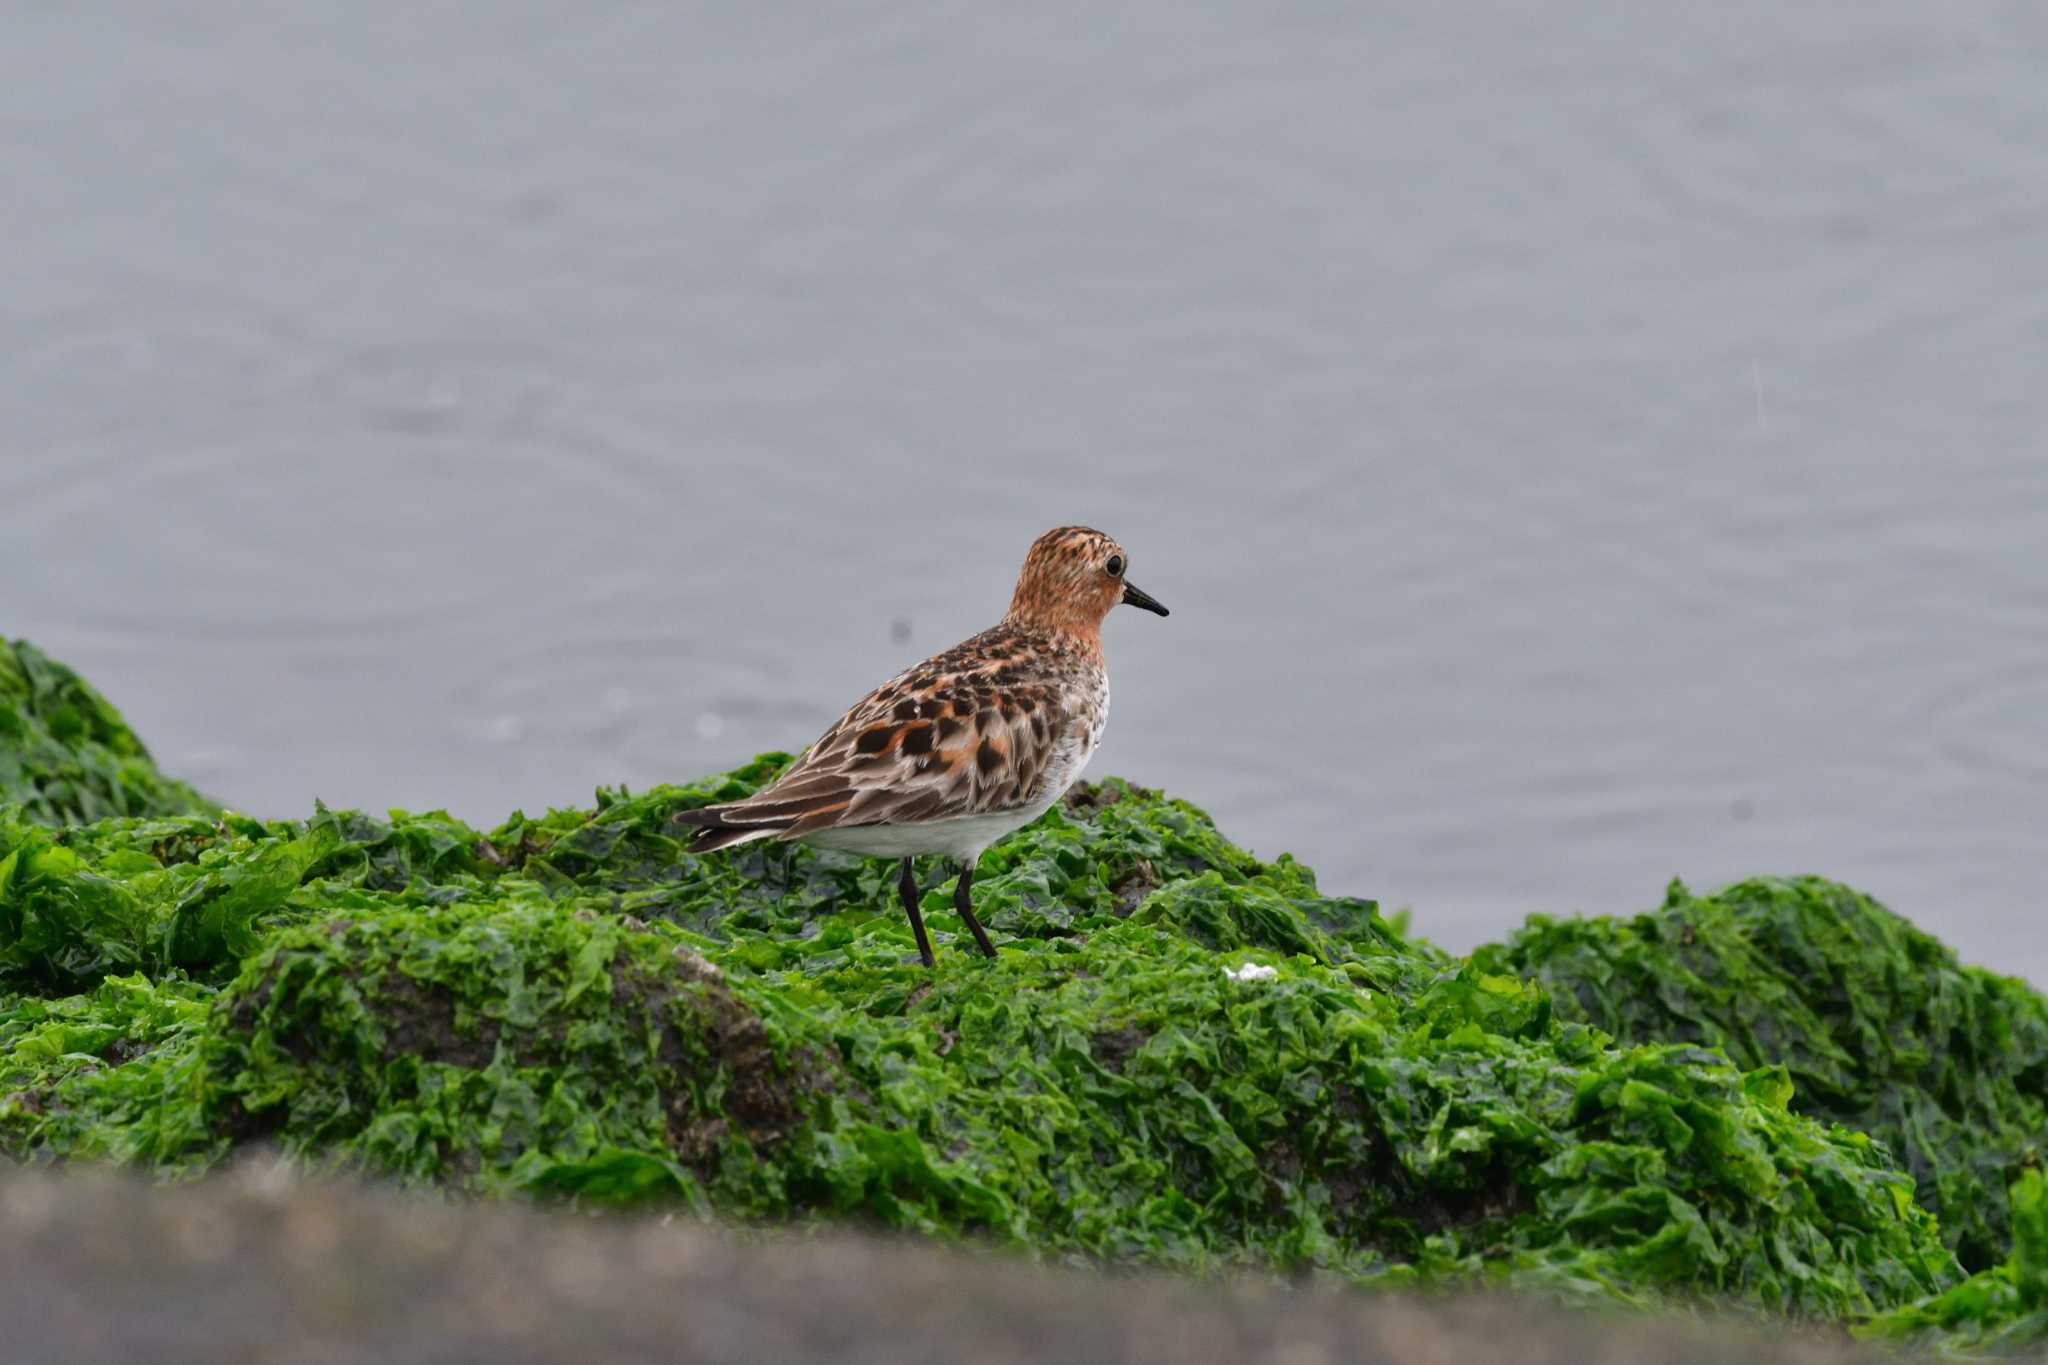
{"x": 1581, "y": 443}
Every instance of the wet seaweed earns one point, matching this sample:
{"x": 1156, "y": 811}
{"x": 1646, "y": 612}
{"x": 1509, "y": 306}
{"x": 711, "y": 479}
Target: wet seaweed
{"x": 1183, "y": 1055}
{"x": 66, "y": 755}
{"x": 594, "y": 1013}
{"x": 1876, "y": 1022}
{"x": 2001, "y": 1310}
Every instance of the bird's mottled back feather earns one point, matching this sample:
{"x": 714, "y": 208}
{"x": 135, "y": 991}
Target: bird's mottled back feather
{"x": 970, "y": 731}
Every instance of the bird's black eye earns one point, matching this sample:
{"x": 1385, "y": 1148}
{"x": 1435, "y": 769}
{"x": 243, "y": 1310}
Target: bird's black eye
{"x": 1115, "y": 566}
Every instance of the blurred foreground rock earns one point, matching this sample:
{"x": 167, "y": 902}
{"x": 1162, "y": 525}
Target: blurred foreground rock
{"x": 256, "y": 1267}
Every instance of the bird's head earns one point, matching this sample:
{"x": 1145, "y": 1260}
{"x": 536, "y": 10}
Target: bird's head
{"x": 1072, "y": 578}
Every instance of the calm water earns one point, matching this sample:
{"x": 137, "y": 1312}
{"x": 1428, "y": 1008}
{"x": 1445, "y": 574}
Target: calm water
{"x": 1581, "y": 444}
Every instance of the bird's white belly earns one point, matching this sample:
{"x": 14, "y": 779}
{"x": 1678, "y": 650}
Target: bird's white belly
{"x": 959, "y": 836}
{"x": 962, "y": 836}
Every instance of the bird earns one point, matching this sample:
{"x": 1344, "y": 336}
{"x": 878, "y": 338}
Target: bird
{"x": 954, "y": 753}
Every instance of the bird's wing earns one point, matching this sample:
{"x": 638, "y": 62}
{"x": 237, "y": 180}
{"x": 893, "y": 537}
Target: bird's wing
{"x": 928, "y": 745}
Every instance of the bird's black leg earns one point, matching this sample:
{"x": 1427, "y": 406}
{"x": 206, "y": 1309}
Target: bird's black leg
{"x": 908, "y": 886}
{"x": 963, "y": 901}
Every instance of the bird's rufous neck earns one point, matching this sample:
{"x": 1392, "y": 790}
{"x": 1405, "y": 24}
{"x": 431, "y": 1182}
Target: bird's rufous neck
{"x": 1076, "y": 630}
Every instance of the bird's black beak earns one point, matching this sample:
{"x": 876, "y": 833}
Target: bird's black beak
{"x": 1133, "y": 597}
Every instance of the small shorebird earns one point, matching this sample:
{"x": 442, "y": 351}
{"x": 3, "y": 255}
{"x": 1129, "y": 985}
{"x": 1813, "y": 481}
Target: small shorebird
{"x": 953, "y": 754}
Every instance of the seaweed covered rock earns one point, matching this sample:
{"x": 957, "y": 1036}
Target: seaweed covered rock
{"x": 1183, "y": 1055}
{"x": 1878, "y": 1025}
{"x": 66, "y": 755}
{"x": 2002, "y": 1310}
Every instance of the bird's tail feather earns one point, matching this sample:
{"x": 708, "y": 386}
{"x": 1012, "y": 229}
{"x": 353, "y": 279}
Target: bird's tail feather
{"x": 737, "y": 822}
{"x": 709, "y": 840}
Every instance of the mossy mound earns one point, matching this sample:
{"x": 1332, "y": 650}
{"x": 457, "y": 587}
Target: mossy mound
{"x": 1877, "y": 1023}
{"x": 1183, "y": 1055}
{"x": 575, "y": 1006}
{"x": 66, "y": 755}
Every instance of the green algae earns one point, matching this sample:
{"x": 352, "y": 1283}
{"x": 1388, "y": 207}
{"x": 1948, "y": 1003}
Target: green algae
{"x": 66, "y": 755}
{"x": 575, "y": 1006}
{"x": 1877, "y": 1023}
{"x": 1183, "y": 1055}
{"x": 2002, "y": 1310}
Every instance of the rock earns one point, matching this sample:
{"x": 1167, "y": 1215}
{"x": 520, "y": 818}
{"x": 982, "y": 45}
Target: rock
{"x": 259, "y": 1267}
